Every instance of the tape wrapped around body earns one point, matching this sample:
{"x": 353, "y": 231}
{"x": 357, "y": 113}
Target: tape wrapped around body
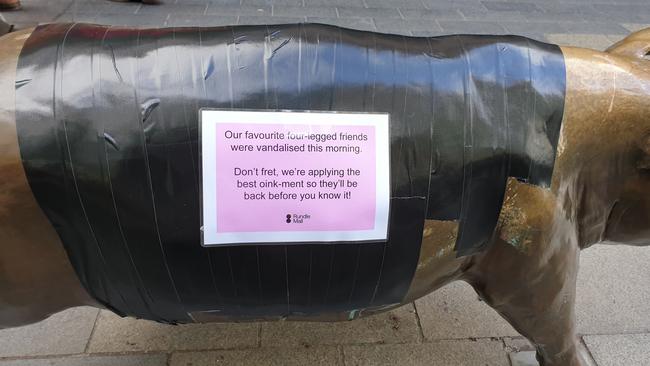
{"x": 107, "y": 122}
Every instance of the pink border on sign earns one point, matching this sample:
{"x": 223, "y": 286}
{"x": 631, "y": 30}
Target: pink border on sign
{"x": 229, "y": 217}
{"x": 328, "y": 210}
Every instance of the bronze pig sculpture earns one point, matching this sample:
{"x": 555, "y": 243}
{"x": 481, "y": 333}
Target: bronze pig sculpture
{"x": 508, "y": 156}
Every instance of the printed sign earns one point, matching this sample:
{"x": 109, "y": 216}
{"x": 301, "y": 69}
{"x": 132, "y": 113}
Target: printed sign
{"x": 281, "y": 177}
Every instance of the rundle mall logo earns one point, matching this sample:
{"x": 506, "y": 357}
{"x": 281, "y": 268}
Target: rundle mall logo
{"x": 296, "y": 218}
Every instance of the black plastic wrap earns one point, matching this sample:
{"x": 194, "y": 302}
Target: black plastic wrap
{"x": 108, "y": 129}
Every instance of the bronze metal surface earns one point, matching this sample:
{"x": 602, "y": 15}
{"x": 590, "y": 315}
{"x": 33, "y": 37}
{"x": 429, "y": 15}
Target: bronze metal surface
{"x": 438, "y": 264}
{"x": 599, "y": 193}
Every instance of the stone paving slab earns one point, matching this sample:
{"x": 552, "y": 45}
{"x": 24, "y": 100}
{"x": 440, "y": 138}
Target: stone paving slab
{"x": 64, "y": 333}
{"x": 517, "y": 344}
{"x": 312, "y": 356}
{"x": 455, "y": 312}
{"x": 367, "y": 24}
{"x": 443, "y": 353}
{"x": 131, "y": 360}
{"x": 595, "y": 41}
{"x": 175, "y": 20}
{"x": 115, "y": 334}
{"x": 621, "y": 349}
{"x": 523, "y": 358}
{"x": 494, "y": 16}
{"x": 530, "y": 18}
{"x": 613, "y": 290}
{"x": 633, "y": 27}
{"x": 397, "y": 326}
{"x": 473, "y": 27}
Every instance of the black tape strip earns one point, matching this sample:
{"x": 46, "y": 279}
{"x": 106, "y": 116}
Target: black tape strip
{"x": 108, "y": 130}
{"x": 88, "y": 158}
{"x": 44, "y": 152}
{"x": 498, "y": 111}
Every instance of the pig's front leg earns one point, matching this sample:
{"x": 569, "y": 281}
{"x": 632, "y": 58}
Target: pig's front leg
{"x": 538, "y": 302}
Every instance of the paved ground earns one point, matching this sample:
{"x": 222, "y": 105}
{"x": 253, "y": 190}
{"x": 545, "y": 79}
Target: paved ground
{"x": 449, "y": 327}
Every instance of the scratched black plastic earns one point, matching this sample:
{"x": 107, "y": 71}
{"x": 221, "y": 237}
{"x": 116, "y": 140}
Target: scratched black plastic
{"x": 108, "y": 131}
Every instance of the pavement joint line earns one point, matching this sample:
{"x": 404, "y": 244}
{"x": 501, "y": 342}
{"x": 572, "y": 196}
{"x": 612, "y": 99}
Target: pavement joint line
{"x": 213, "y": 350}
{"x": 83, "y": 355}
{"x": 632, "y": 332}
{"x": 65, "y": 10}
{"x": 505, "y": 349}
{"x": 40, "y": 357}
{"x": 400, "y": 13}
{"x": 380, "y": 342}
{"x": 374, "y": 24}
{"x": 341, "y": 354}
{"x": 419, "y": 322}
{"x": 92, "y": 332}
{"x": 436, "y": 22}
{"x": 259, "y": 335}
{"x": 108, "y": 354}
{"x": 591, "y": 355}
{"x": 139, "y": 352}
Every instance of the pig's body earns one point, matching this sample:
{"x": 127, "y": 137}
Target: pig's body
{"x": 507, "y": 157}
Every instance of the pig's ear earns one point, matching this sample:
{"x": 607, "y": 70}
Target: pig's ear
{"x": 635, "y": 45}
